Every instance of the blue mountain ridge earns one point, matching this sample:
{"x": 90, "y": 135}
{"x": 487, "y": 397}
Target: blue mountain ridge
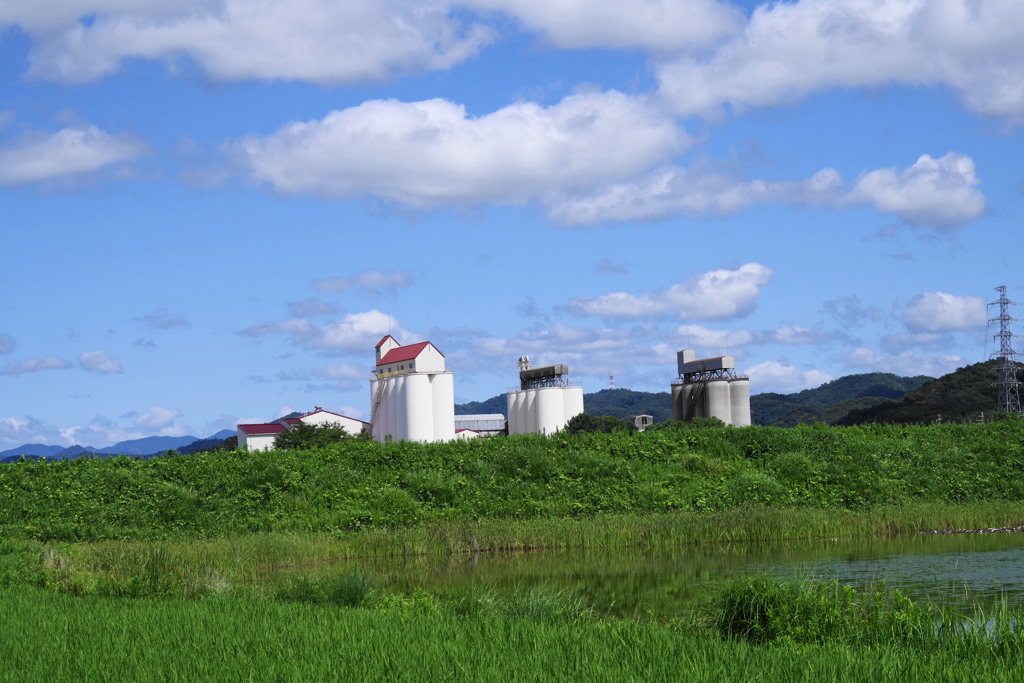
{"x": 145, "y": 446}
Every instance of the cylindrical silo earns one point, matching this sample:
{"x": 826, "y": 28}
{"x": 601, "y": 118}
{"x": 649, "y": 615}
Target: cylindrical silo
{"x": 417, "y": 412}
{"x": 717, "y": 401}
{"x": 572, "y": 399}
{"x": 530, "y": 411}
{"x": 677, "y": 401}
{"x": 515, "y": 412}
{"x": 396, "y": 426}
{"x": 375, "y": 410}
{"x": 442, "y": 388}
{"x": 549, "y": 409}
{"x": 739, "y": 397}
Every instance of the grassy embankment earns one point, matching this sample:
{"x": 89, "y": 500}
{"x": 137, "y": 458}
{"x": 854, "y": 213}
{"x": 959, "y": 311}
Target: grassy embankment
{"x": 200, "y": 525}
{"x": 180, "y": 524}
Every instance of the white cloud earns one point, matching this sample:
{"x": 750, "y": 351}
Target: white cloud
{"x": 672, "y": 191}
{"x": 719, "y": 294}
{"x": 940, "y": 312}
{"x": 97, "y": 361}
{"x": 157, "y": 418}
{"x": 723, "y": 341}
{"x": 353, "y": 332}
{"x": 35, "y": 365}
{"x": 69, "y": 152}
{"x": 906, "y": 363}
{"x": 374, "y": 282}
{"x": 789, "y": 50}
{"x": 345, "y": 371}
{"x": 795, "y": 334}
{"x": 431, "y": 153}
{"x": 783, "y": 378}
{"x": 7, "y": 343}
{"x": 659, "y": 25}
{"x": 313, "y": 40}
{"x": 898, "y": 343}
{"x": 940, "y": 193}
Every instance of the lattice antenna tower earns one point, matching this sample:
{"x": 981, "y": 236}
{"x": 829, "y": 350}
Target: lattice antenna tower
{"x": 1009, "y": 394}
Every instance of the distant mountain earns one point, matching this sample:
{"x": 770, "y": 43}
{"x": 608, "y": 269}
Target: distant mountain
{"x": 829, "y": 403}
{"x": 621, "y": 403}
{"x": 961, "y": 395}
{"x": 148, "y": 446}
{"x": 822, "y": 404}
{"x": 36, "y": 449}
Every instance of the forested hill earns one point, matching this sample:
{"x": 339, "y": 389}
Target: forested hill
{"x": 833, "y": 400}
{"x": 961, "y": 395}
{"x": 828, "y": 403}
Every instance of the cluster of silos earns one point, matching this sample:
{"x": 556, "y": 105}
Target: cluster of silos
{"x": 545, "y": 401}
{"x": 709, "y": 387}
{"x": 414, "y": 406}
{"x": 727, "y": 398}
{"x": 543, "y": 410}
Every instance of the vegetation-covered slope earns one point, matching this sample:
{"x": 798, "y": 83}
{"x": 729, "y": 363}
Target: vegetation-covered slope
{"x": 355, "y": 485}
{"x": 822, "y": 404}
{"x": 961, "y": 395}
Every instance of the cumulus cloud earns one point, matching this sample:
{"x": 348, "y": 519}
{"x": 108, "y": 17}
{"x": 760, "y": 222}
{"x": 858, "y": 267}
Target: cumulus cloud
{"x": 99, "y": 362}
{"x": 7, "y": 343}
{"x": 641, "y": 24}
{"x": 941, "y": 312}
{"x": 163, "y": 319}
{"x": 939, "y": 193}
{"x": 374, "y": 282}
{"x": 719, "y": 294}
{"x": 157, "y": 418}
{"x": 788, "y": 50}
{"x": 353, "y": 332}
{"x": 35, "y": 365}
{"x": 69, "y": 152}
{"x": 723, "y": 341}
{"x": 905, "y": 363}
{"x": 781, "y": 377}
{"x": 312, "y": 40}
{"x": 431, "y": 153}
{"x": 671, "y": 191}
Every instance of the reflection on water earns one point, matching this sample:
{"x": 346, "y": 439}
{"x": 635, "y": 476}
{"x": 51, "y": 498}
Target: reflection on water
{"x": 951, "y": 570}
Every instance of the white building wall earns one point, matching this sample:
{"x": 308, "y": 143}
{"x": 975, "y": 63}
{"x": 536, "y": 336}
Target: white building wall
{"x": 256, "y": 442}
{"x": 443, "y": 394}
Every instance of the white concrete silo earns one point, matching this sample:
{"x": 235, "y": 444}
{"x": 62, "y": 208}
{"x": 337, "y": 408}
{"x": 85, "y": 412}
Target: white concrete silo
{"x": 717, "y": 401}
{"x": 739, "y": 397}
{"x": 545, "y": 401}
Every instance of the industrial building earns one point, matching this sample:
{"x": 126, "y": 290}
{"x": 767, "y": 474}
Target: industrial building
{"x": 710, "y": 387}
{"x": 411, "y": 394}
{"x": 260, "y": 437}
{"x": 545, "y": 401}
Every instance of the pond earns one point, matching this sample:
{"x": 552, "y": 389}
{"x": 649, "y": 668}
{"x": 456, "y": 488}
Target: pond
{"x": 955, "y": 570}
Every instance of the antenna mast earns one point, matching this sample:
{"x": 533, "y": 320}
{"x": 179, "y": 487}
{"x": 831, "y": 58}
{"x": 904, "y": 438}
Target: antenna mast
{"x": 1009, "y": 395}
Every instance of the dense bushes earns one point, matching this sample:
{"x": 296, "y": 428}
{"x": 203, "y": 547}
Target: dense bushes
{"x": 355, "y": 484}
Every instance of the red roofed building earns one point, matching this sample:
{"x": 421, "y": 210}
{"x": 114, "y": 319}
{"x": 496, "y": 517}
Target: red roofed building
{"x": 412, "y": 394}
{"x": 260, "y": 437}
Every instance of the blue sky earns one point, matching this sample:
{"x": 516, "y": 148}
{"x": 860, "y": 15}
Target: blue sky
{"x": 211, "y": 210}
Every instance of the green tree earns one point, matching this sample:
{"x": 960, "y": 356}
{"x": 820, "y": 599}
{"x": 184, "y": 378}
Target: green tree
{"x": 305, "y": 436}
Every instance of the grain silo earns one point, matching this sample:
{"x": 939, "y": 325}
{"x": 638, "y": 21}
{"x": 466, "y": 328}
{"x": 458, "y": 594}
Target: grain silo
{"x": 412, "y": 394}
{"x": 710, "y": 387}
{"x": 545, "y": 401}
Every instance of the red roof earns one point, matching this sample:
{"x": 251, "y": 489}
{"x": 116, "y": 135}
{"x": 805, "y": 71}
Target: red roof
{"x": 404, "y": 353}
{"x": 292, "y": 420}
{"x": 384, "y": 339}
{"x": 255, "y": 430}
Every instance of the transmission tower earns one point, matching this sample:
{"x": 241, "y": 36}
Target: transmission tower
{"x": 1009, "y": 396}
